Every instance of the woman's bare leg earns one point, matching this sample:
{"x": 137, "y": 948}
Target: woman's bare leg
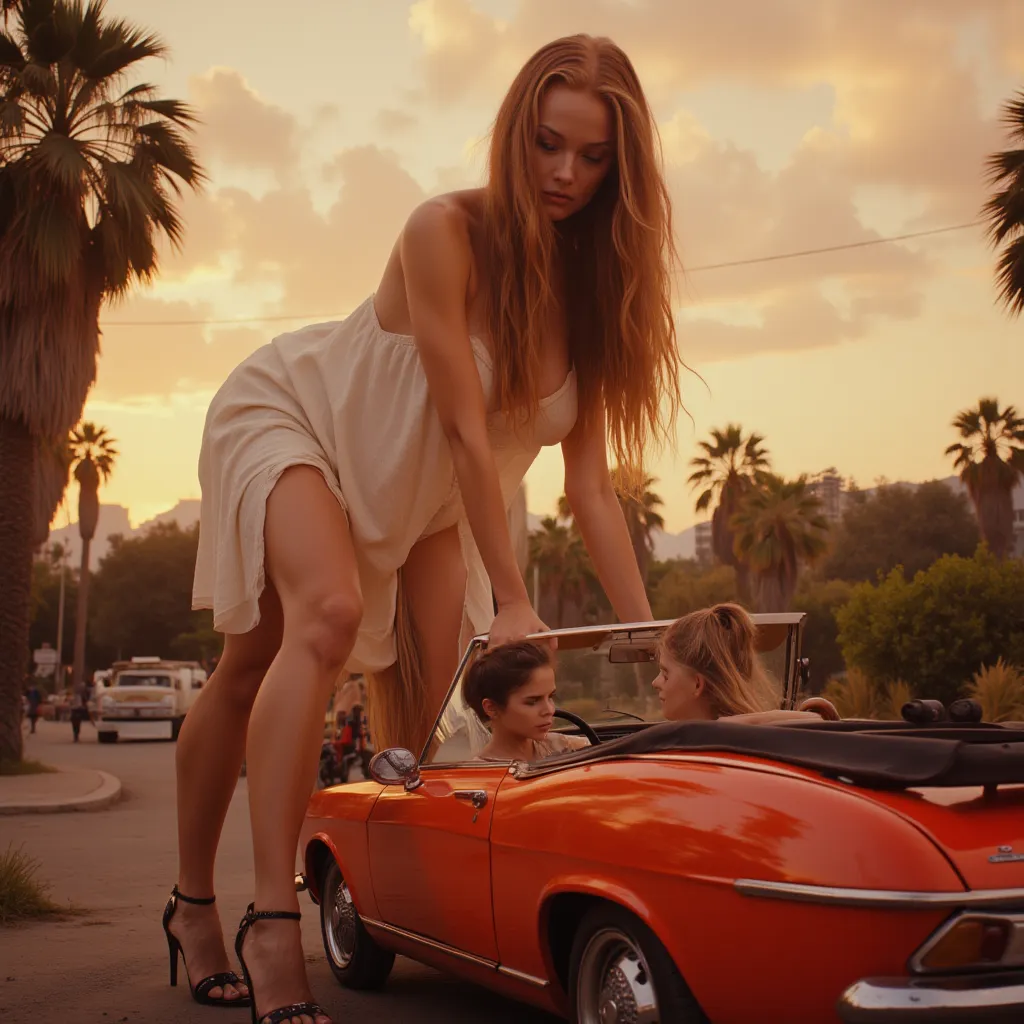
{"x": 208, "y": 758}
{"x": 309, "y": 557}
{"x": 434, "y": 578}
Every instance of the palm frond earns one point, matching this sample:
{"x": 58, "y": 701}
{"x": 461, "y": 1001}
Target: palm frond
{"x": 1010, "y": 276}
{"x": 11, "y": 57}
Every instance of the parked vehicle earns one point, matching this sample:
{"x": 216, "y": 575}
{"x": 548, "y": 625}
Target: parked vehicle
{"x": 684, "y": 872}
{"x": 147, "y": 698}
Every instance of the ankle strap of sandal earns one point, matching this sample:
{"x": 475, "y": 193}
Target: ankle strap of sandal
{"x": 252, "y": 914}
{"x": 202, "y": 901}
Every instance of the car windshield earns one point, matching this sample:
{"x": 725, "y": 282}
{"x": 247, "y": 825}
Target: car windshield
{"x": 142, "y": 679}
{"x": 604, "y": 677}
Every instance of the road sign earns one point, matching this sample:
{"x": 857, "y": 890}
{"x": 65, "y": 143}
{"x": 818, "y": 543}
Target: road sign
{"x": 45, "y": 659}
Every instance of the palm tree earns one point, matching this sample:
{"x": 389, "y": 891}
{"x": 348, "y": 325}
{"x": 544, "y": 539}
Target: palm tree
{"x": 640, "y": 511}
{"x": 1005, "y": 210}
{"x": 93, "y": 454}
{"x": 551, "y": 550}
{"x": 728, "y": 469}
{"x": 991, "y": 462}
{"x": 90, "y": 169}
{"x": 53, "y": 466}
{"x": 642, "y": 518}
{"x": 777, "y": 527}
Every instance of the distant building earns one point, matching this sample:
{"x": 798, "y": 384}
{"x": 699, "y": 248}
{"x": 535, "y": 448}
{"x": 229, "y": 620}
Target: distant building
{"x": 827, "y": 487}
{"x": 702, "y": 542}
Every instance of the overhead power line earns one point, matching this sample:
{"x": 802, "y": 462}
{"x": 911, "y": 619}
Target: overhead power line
{"x": 773, "y": 258}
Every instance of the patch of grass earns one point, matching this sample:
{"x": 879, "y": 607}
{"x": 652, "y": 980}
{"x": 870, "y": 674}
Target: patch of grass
{"x": 22, "y": 895}
{"x": 24, "y": 768}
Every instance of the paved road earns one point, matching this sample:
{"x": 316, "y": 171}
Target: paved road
{"x": 109, "y": 965}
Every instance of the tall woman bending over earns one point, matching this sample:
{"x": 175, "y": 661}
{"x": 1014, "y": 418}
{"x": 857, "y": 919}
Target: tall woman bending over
{"x": 356, "y": 474}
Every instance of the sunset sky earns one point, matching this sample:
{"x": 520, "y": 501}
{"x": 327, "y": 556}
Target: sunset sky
{"x": 786, "y": 124}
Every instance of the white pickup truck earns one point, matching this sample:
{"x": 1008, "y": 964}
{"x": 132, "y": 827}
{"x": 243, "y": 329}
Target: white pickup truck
{"x": 147, "y": 698}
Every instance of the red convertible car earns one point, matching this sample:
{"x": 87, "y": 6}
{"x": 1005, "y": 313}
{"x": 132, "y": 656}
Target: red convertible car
{"x": 688, "y": 872}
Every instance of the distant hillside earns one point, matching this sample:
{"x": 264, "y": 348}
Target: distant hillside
{"x": 113, "y": 519}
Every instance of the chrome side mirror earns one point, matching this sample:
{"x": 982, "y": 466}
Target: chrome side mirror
{"x": 395, "y": 765}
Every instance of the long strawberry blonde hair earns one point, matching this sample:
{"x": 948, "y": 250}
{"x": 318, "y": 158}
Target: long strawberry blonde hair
{"x": 617, "y": 256}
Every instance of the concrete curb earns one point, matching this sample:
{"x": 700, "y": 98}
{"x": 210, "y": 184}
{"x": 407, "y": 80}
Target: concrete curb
{"x": 105, "y": 795}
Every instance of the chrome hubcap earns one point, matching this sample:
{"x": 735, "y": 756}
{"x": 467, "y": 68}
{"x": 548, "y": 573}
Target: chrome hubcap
{"x": 614, "y": 985}
{"x": 341, "y": 931}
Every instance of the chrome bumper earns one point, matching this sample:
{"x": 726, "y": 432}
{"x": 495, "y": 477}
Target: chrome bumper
{"x": 980, "y": 998}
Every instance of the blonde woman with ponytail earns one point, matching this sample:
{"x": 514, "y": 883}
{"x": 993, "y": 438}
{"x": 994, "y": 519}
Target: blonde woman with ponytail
{"x": 709, "y": 669}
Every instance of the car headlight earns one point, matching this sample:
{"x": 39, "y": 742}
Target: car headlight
{"x": 973, "y": 942}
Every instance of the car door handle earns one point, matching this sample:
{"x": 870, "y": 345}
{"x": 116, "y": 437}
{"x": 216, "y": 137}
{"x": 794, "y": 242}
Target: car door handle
{"x": 476, "y": 797}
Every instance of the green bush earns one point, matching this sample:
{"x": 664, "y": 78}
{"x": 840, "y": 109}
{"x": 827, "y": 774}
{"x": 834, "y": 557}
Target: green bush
{"x": 820, "y": 600}
{"x": 22, "y": 895}
{"x": 936, "y": 630}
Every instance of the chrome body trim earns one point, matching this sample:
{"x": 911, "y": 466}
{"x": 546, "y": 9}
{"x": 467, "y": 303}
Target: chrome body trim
{"x": 767, "y": 618}
{"x": 883, "y": 898}
{"x": 528, "y": 979}
{"x": 970, "y": 999}
{"x": 440, "y": 947}
{"x": 452, "y": 951}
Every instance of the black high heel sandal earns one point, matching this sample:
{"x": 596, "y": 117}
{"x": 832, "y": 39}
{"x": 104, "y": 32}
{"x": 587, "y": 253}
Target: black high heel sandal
{"x": 282, "y": 1013}
{"x": 200, "y": 992}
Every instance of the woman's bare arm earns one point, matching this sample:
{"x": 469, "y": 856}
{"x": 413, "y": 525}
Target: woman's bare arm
{"x": 437, "y": 260}
{"x": 596, "y": 509}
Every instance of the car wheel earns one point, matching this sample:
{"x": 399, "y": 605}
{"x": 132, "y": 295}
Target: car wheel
{"x": 620, "y": 973}
{"x": 107, "y": 737}
{"x": 357, "y": 961}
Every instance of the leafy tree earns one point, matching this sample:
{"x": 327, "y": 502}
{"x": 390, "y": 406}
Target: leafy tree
{"x": 46, "y": 612}
{"x": 991, "y": 462}
{"x": 142, "y": 595}
{"x": 92, "y": 454}
{"x": 728, "y": 469}
{"x": 820, "y": 601}
{"x": 1005, "y": 210}
{"x": 778, "y": 527}
{"x": 936, "y": 630}
{"x": 681, "y": 586}
{"x": 90, "y": 168}
{"x": 900, "y": 526}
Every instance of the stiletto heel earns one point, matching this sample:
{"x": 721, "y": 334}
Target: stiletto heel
{"x": 282, "y": 1013}
{"x": 174, "y": 949}
{"x": 200, "y": 992}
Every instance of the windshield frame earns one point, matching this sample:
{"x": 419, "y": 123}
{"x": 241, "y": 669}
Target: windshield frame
{"x": 594, "y": 637}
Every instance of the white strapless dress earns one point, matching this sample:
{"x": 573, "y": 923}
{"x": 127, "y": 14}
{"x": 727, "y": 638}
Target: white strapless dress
{"x": 351, "y": 400}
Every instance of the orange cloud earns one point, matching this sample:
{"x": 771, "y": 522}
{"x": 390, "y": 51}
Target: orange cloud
{"x": 241, "y": 128}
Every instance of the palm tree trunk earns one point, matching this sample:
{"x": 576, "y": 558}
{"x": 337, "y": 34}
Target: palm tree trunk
{"x": 994, "y": 509}
{"x": 81, "y": 610}
{"x": 17, "y": 477}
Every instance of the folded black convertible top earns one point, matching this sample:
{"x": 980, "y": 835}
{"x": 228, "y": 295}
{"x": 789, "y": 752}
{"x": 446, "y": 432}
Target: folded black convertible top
{"x": 875, "y": 757}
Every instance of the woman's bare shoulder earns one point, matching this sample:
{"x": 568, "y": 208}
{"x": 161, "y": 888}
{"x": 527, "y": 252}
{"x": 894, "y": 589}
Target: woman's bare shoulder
{"x": 445, "y": 216}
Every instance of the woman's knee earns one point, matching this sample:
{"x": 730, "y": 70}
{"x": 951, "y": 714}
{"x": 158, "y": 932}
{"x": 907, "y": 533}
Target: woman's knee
{"x": 326, "y": 625}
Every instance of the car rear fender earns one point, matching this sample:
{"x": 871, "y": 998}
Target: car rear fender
{"x": 564, "y": 903}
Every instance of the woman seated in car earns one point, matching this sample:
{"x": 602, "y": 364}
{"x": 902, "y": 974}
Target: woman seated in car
{"x": 710, "y": 670}
{"x": 512, "y": 690}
